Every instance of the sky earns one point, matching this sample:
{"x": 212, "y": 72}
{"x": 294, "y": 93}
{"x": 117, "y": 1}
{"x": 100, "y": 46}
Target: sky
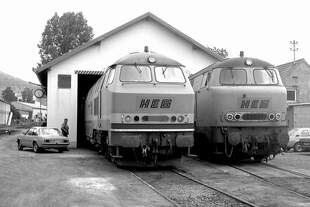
{"x": 261, "y": 28}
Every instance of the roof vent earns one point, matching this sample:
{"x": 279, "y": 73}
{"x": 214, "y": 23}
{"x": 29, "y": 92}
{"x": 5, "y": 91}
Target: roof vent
{"x": 146, "y": 49}
{"x": 241, "y": 54}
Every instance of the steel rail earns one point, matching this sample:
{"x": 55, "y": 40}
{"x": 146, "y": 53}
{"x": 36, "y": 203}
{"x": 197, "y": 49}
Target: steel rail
{"x": 286, "y": 170}
{"x": 155, "y": 190}
{"x": 213, "y": 188}
{"x": 269, "y": 182}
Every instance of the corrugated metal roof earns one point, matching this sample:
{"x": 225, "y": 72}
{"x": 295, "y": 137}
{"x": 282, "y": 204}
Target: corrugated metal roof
{"x": 89, "y": 72}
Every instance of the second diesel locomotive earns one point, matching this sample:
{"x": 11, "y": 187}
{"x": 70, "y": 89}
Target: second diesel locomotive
{"x": 141, "y": 111}
{"x": 240, "y": 109}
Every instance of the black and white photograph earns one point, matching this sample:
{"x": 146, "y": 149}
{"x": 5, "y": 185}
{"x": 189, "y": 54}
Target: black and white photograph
{"x": 154, "y": 103}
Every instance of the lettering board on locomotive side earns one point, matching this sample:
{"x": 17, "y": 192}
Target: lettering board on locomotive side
{"x": 254, "y": 103}
{"x": 154, "y": 103}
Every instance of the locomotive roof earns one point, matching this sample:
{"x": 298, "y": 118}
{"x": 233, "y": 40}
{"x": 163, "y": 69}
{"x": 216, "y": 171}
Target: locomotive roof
{"x": 234, "y": 63}
{"x": 142, "y": 58}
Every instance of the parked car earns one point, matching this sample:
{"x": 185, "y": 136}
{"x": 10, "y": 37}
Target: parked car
{"x": 299, "y": 139}
{"x": 42, "y": 138}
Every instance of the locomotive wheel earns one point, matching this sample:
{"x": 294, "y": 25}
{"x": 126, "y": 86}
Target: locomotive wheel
{"x": 297, "y": 147}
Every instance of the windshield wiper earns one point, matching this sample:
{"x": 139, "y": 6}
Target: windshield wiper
{"x": 164, "y": 70}
{"x": 138, "y": 69}
{"x": 270, "y": 74}
{"x": 232, "y": 76}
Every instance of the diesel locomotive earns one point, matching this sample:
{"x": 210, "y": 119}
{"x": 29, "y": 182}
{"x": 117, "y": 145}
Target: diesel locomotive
{"x": 240, "y": 109}
{"x": 141, "y": 111}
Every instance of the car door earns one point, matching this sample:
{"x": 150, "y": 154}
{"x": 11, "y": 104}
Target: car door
{"x": 27, "y": 138}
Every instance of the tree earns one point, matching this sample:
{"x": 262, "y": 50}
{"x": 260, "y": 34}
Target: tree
{"x": 8, "y": 95}
{"x": 220, "y": 51}
{"x": 62, "y": 34}
{"x": 27, "y": 95}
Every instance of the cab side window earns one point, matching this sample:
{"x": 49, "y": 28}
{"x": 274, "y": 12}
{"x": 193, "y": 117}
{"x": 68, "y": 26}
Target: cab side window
{"x": 111, "y": 76}
{"x": 197, "y": 83}
{"x": 206, "y": 79}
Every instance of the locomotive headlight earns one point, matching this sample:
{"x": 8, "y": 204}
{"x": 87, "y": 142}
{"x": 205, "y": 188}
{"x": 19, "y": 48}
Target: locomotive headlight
{"x": 173, "y": 118}
{"x": 229, "y": 116}
{"x": 278, "y": 116}
{"x": 237, "y": 116}
{"x": 136, "y": 118}
{"x": 180, "y": 118}
{"x": 271, "y": 116}
{"x": 127, "y": 118}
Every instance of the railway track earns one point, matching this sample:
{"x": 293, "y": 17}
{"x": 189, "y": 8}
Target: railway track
{"x": 286, "y": 170}
{"x": 261, "y": 178}
{"x": 238, "y": 201}
{"x": 154, "y": 189}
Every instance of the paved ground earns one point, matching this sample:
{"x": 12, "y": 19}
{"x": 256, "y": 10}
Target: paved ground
{"x": 294, "y": 161}
{"x": 73, "y": 178}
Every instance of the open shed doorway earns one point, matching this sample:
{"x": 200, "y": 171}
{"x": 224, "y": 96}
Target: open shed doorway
{"x": 86, "y": 79}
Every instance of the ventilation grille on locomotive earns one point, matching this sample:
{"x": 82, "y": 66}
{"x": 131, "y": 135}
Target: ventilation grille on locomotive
{"x": 255, "y": 116}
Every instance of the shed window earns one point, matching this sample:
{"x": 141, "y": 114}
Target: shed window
{"x": 291, "y": 95}
{"x": 64, "y": 81}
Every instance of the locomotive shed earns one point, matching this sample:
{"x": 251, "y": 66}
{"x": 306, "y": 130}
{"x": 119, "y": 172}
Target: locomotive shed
{"x": 68, "y": 78}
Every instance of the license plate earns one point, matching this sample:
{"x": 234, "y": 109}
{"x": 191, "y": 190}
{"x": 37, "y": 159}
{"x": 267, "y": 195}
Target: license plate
{"x": 306, "y": 143}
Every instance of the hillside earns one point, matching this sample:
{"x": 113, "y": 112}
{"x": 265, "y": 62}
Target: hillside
{"x": 16, "y": 84}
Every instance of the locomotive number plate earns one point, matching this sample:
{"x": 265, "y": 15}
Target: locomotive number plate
{"x": 254, "y": 103}
{"x": 147, "y": 103}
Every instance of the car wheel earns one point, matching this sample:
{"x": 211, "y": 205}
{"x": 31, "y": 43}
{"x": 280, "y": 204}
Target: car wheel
{"x": 60, "y": 150}
{"x": 19, "y": 145}
{"x": 36, "y": 148}
{"x": 297, "y": 147}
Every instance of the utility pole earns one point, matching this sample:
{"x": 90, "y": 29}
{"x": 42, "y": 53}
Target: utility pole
{"x": 294, "y": 48}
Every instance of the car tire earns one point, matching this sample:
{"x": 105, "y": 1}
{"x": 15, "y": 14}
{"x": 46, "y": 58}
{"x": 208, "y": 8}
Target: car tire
{"x": 19, "y": 145}
{"x": 36, "y": 147}
{"x": 60, "y": 150}
{"x": 297, "y": 147}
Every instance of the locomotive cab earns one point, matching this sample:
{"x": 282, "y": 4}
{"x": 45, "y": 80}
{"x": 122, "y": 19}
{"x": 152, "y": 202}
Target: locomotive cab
{"x": 240, "y": 108}
{"x": 143, "y": 110}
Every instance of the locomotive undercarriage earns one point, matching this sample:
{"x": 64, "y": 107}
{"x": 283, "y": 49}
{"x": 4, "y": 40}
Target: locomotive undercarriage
{"x": 242, "y": 142}
{"x": 143, "y": 149}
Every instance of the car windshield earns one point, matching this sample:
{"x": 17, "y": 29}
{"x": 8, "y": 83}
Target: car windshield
{"x": 233, "y": 77}
{"x": 265, "y": 77}
{"x": 49, "y": 132}
{"x": 169, "y": 74}
{"x": 135, "y": 73}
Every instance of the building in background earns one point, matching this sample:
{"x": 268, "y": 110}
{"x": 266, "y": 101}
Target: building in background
{"x": 31, "y": 111}
{"x": 68, "y": 78}
{"x": 296, "y": 78}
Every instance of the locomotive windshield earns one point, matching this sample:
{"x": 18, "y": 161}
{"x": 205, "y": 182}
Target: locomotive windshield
{"x": 169, "y": 74}
{"x": 135, "y": 73}
{"x": 265, "y": 76}
{"x": 233, "y": 77}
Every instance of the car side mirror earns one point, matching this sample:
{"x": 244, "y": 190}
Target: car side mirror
{"x": 297, "y": 135}
{"x": 24, "y": 133}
